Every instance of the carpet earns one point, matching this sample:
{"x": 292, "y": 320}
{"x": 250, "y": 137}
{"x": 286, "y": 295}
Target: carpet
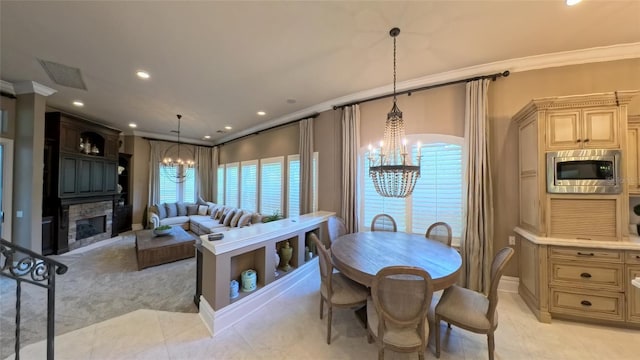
{"x": 100, "y": 284}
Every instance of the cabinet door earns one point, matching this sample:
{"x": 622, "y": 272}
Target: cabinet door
{"x": 600, "y": 128}
{"x": 110, "y": 176}
{"x": 632, "y": 160}
{"x": 111, "y": 147}
{"x": 69, "y": 138}
{"x": 84, "y": 176}
{"x": 97, "y": 176}
{"x": 633, "y": 294}
{"x": 68, "y": 178}
{"x": 563, "y": 130}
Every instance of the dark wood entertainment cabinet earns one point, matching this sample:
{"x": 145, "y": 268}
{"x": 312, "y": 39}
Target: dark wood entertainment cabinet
{"x": 81, "y": 165}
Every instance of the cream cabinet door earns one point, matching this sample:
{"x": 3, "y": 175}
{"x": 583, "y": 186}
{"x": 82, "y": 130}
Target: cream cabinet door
{"x": 600, "y": 128}
{"x": 633, "y": 294}
{"x": 632, "y": 160}
{"x": 563, "y": 129}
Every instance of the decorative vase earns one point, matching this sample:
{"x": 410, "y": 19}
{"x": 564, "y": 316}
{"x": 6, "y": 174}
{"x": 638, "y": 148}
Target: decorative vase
{"x": 233, "y": 289}
{"x": 307, "y": 254}
{"x": 249, "y": 279}
{"x": 285, "y": 256}
{"x": 277, "y": 261}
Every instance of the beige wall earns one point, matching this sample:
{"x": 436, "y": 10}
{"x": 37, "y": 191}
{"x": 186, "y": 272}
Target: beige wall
{"x": 140, "y": 149}
{"x": 276, "y": 142}
{"x": 507, "y": 96}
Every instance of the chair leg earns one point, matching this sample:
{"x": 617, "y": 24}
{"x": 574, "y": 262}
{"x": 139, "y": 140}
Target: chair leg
{"x": 321, "y": 306}
{"x": 369, "y": 337}
{"x": 329, "y": 317}
{"x": 436, "y": 322}
{"x": 420, "y": 355}
{"x": 491, "y": 344}
{"x": 380, "y": 353}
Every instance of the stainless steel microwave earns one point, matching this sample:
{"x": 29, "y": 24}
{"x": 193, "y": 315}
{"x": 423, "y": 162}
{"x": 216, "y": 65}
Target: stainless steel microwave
{"x": 584, "y": 171}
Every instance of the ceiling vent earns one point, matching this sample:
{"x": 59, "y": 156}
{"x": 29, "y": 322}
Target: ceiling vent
{"x": 63, "y": 75}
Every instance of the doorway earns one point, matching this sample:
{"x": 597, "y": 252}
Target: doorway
{"x": 6, "y": 184}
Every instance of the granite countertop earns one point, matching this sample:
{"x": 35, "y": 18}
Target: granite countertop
{"x": 633, "y": 243}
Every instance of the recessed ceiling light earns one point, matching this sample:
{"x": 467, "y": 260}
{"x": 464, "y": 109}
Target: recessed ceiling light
{"x": 572, "y": 2}
{"x": 207, "y": 136}
{"x": 78, "y": 103}
{"x": 143, "y": 74}
{"x": 261, "y": 113}
{"x": 228, "y": 127}
{"x": 133, "y": 125}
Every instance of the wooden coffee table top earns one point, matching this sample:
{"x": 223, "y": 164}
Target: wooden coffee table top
{"x": 145, "y": 239}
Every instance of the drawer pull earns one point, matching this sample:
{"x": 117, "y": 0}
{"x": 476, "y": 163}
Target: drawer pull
{"x": 585, "y": 302}
{"x": 637, "y": 256}
{"x": 586, "y": 140}
{"x": 585, "y": 254}
{"x": 585, "y": 275}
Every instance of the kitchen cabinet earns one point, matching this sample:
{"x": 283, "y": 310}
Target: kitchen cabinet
{"x": 633, "y": 154}
{"x": 590, "y": 128}
{"x": 571, "y": 123}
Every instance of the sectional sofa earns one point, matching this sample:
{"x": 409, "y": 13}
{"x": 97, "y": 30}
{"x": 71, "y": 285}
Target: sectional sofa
{"x": 202, "y": 218}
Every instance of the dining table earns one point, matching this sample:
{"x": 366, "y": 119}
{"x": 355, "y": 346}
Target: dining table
{"x": 360, "y": 256}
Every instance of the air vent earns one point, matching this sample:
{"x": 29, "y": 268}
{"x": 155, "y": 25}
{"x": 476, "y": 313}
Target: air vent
{"x": 63, "y": 75}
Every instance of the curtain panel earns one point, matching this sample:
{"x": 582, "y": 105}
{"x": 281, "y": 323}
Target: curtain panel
{"x": 477, "y": 237}
{"x": 158, "y": 148}
{"x": 306, "y": 166}
{"x": 350, "y": 146}
{"x": 204, "y": 163}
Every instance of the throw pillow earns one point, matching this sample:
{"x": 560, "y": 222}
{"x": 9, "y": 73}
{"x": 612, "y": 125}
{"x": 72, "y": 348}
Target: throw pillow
{"x": 219, "y": 212}
{"x": 202, "y": 209}
{"x": 256, "y": 218}
{"x": 182, "y": 208}
{"x": 192, "y": 209}
{"x": 162, "y": 211}
{"x": 228, "y": 217}
{"x": 172, "y": 209}
{"x": 235, "y": 219}
{"x": 245, "y": 220}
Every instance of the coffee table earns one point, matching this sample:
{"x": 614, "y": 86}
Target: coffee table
{"x": 154, "y": 250}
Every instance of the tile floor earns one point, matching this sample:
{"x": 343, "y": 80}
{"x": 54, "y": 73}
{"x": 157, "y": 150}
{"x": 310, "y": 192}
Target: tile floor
{"x": 289, "y": 328}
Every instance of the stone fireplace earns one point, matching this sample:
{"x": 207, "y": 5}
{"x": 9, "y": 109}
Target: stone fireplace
{"x": 89, "y": 223}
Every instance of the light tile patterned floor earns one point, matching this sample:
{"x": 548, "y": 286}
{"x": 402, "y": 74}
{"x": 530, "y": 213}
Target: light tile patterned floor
{"x": 289, "y": 328}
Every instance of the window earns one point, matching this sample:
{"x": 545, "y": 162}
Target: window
{"x": 293, "y": 186}
{"x": 220, "y": 180}
{"x": 173, "y": 191}
{"x": 437, "y": 195}
{"x": 271, "y": 185}
{"x": 249, "y": 185}
{"x": 231, "y": 185}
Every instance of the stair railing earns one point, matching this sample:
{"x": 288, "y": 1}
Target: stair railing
{"x": 24, "y": 265}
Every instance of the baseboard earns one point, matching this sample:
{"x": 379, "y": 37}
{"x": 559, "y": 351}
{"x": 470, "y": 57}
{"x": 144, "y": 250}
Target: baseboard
{"x": 136, "y": 227}
{"x": 218, "y": 321}
{"x": 509, "y": 284}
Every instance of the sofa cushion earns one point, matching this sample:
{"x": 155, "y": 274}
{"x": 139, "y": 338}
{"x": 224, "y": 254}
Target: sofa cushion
{"x": 192, "y": 209}
{"x": 202, "y": 209}
{"x": 235, "y": 219}
{"x": 172, "y": 209}
{"x": 219, "y": 212}
{"x": 228, "y": 217}
{"x": 175, "y": 220}
{"x": 245, "y": 219}
{"x": 158, "y": 210}
{"x": 199, "y": 219}
{"x": 256, "y": 218}
{"x": 182, "y": 208}
{"x": 210, "y": 207}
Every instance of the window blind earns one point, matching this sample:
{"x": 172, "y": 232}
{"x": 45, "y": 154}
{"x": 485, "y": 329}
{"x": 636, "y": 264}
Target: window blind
{"x": 249, "y": 185}
{"x": 220, "y": 185}
{"x": 271, "y": 185}
{"x": 231, "y": 185}
{"x": 293, "y": 186}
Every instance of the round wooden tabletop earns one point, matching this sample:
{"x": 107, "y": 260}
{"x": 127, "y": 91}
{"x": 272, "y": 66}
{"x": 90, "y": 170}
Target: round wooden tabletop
{"x": 361, "y": 255}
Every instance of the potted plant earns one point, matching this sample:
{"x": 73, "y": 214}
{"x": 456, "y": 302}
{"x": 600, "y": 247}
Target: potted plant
{"x": 276, "y": 216}
{"x": 636, "y": 210}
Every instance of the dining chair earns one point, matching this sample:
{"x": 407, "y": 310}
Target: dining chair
{"x": 383, "y": 222}
{"x": 336, "y": 289}
{"x": 439, "y": 231}
{"x": 472, "y": 310}
{"x": 336, "y": 228}
{"x": 397, "y": 309}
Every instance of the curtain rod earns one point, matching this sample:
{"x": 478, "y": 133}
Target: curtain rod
{"x": 492, "y": 77}
{"x": 312, "y": 116}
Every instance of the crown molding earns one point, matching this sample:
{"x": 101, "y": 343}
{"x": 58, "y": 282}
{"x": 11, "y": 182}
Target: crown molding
{"x": 30, "y": 87}
{"x": 7, "y": 87}
{"x": 564, "y": 58}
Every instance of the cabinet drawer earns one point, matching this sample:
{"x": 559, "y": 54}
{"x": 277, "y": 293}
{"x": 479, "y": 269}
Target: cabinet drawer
{"x": 596, "y": 305}
{"x": 633, "y": 257}
{"x": 594, "y": 276}
{"x": 586, "y": 254}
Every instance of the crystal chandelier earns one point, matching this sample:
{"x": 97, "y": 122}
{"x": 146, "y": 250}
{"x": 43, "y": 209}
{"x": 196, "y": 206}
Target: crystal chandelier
{"x": 390, "y": 168}
{"x": 176, "y": 170}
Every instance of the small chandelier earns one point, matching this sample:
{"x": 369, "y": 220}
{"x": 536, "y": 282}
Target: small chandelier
{"x": 390, "y": 170}
{"x": 176, "y": 170}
